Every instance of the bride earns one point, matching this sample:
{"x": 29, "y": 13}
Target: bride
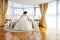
{"x": 24, "y": 23}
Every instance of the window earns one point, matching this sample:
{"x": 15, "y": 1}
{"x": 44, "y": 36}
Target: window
{"x": 38, "y": 13}
{"x": 58, "y": 16}
{"x": 51, "y": 15}
{"x": 16, "y": 5}
{"x": 17, "y": 13}
{"x": 9, "y": 13}
{"x": 16, "y": 10}
{"x": 30, "y": 12}
{"x": 59, "y": 6}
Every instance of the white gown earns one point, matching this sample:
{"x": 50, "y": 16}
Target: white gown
{"x": 23, "y": 24}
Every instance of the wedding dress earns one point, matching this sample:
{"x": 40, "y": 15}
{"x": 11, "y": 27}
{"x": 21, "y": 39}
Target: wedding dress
{"x": 23, "y": 24}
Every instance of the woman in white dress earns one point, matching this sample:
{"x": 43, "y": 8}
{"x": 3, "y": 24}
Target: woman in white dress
{"x": 24, "y": 23}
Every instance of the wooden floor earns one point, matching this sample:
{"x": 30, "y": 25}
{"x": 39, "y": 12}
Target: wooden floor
{"x": 44, "y": 34}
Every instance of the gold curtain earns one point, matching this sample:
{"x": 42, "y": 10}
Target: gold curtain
{"x": 42, "y": 22}
{"x": 3, "y": 9}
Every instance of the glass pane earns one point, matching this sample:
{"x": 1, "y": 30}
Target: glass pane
{"x": 9, "y": 13}
{"x": 38, "y": 13}
{"x": 9, "y": 3}
{"x": 30, "y": 12}
{"x": 18, "y": 5}
{"x": 59, "y": 6}
{"x": 17, "y": 13}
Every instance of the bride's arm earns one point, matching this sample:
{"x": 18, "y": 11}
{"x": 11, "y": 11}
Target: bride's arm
{"x": 19, "y": 18}
{"x": 28, "y": 18}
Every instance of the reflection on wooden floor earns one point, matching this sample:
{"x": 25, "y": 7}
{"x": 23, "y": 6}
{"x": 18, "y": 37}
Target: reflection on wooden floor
{"x": 44, "y": 34}
{"x": 4, "y": 35}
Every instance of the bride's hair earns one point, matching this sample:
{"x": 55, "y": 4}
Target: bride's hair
{"x": 25, "y": 12}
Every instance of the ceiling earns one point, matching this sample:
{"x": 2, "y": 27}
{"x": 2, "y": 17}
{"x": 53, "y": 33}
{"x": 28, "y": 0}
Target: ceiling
{"x": 31, "y": 2}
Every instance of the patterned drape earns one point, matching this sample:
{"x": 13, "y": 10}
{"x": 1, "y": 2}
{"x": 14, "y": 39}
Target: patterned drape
{"x": 42, "y": 22}
{"x": 3, "y": 9}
